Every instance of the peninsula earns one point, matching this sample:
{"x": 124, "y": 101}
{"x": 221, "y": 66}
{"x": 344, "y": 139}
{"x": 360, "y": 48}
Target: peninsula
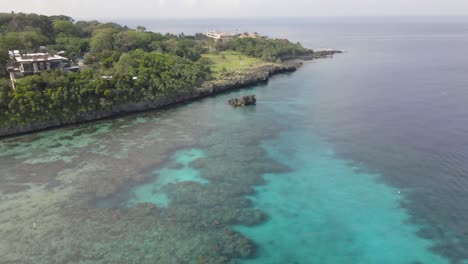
{"x": 55, "y": 71}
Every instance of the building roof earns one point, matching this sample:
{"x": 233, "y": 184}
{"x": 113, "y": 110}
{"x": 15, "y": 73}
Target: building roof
{"x": 32, "y": 57}
{"x": 220, "y": 34}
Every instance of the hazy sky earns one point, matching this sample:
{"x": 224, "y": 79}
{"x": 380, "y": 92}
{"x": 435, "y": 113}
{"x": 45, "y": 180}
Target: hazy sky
{"x": 234, "y": 8}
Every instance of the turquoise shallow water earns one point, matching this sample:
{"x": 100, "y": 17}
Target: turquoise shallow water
{"x": 358, "y": 159}
{"x": 327, "y": 211}
{"x": 153, "y": 192}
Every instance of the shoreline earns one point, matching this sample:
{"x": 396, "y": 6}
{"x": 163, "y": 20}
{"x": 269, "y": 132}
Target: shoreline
{"x": 236, "y": 80}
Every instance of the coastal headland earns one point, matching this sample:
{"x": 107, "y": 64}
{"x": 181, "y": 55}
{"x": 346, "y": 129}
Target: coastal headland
{"x": 114, "y": 70}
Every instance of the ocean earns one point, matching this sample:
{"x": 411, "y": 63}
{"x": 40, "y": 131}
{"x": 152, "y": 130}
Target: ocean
{"x": 362, "y": 158}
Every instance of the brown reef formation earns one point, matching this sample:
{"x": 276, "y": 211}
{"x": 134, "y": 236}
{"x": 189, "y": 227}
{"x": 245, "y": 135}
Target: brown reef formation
{"x": 64, "y": 191}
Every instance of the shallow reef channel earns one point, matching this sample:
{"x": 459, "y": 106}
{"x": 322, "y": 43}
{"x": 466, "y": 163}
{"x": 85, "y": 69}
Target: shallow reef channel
{"x": 157, "y": 187}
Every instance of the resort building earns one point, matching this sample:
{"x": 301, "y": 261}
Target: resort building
{"x": 32, "y": 63}
{"x": 21, "y": 65}
{"x": 223, "y": 36}
{"x": 250, "y": 35}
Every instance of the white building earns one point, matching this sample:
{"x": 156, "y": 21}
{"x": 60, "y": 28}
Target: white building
{"x": 21, "y": 65}
{"x": 223, "y": 36}
{"x": 32, "y": 63}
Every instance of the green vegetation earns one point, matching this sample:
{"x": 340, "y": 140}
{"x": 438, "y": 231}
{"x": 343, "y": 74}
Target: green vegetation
{"x": 228, "y": 61}
{"x": 268, "y": 49}
{"x": 56, "y": 95}
{"x": 143, "y": 65}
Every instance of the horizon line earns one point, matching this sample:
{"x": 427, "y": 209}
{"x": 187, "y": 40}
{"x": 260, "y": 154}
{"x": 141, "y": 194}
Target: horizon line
{"x": 76, "y": 18}
{"x": 464, "y": 16}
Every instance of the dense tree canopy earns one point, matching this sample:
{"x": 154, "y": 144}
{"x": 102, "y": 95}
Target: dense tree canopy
{"x": 3, "y": 61}
{"x": 268, "y": 49}
{"x": 11, "y": 22}
{"x": 144, "y": 65}
{"x": 101, "y": 40}
{"x": 28, "y": 40}
{"x": 65, "y": 28}
{"x": 54, "y": 94}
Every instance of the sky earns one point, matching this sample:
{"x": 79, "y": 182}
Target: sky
{"x": 143, "y": 9}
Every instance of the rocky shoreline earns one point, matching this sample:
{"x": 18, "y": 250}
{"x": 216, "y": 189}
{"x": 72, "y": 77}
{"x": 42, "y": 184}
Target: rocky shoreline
{"x": 254, "y": 75}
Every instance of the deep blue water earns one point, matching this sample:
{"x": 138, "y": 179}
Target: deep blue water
{"x": 395, "y": 104}
{"x": 364, "y": 157}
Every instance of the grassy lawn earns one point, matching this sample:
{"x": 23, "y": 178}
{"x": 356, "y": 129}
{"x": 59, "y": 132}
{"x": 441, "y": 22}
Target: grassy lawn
{"x": 231, "y": 60}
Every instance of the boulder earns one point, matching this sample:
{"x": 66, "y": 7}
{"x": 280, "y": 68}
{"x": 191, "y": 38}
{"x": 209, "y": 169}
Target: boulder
{"x": 243, "y": 101}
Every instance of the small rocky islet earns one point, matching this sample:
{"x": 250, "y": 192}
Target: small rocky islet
{"x": 74, "y": 187}
{"x": 243, "y": 101}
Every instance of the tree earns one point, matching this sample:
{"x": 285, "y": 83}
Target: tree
{"x": 61, "y": 17}
{"x": 73, "y": 46}
{"x": 132, "y": 39}
{"x": 87, "y": 27}
{"x": 65, "y": 28}
{"x": 163, "y": 64}
{"x": 141, "y": 28}
{"x": 5, "y": 89}
{"x": 268, "y": 49}
{"x": 27, "y": 22}
{"x": 126, "y": 65}
{"x": 3, "y": 61}
{"x": 29, "y": 41}
{"x": 101, "y": 40}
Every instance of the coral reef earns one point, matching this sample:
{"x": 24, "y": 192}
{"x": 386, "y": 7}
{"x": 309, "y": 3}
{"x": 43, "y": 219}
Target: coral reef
{"x": 71, "y": 187}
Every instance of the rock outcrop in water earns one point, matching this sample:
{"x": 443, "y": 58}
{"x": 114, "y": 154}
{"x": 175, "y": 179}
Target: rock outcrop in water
{"x": 254, "y": 75}
{"x": 243, "y": 101}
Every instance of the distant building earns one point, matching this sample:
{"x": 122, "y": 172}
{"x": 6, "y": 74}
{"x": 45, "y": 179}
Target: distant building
{"x": 21, "y": 65}
{"x": 223, "y": 36}
{"x": 250, "y": 35}
{"x": 32, "y": 63}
